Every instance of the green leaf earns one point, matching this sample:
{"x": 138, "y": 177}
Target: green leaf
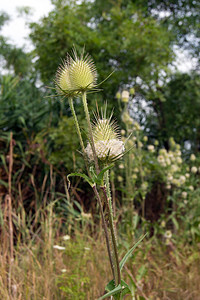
{"x": 4, "y": 183}
{"x": 125, "y": 288}
{"x": 175, "y": 223}
{"x": 128, "y": 254}
{"x": 115, "y": 291}
{"x": 101, "y": 174}
{"x": 93, "y": 174}
{"x": 83, "y": 176}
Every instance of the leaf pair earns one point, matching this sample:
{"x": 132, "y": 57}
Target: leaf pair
{"x": 95, "y": 179}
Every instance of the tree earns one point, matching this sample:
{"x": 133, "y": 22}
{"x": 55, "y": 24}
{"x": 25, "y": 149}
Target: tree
{"x": 120, "y": 38}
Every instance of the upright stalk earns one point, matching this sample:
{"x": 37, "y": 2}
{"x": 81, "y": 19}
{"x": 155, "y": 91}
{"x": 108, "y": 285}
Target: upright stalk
{"x": 113, "y": 237}
{"x": 105, "y": 230}
{"x": 78, "y": 132}
{"x": 85, "y": 105}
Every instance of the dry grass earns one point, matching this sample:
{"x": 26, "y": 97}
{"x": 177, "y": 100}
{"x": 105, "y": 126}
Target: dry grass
{"x": 170, "y": 272}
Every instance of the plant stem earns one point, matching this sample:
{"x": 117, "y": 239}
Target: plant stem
{"x": 113, "y": 238}
{"x": 108, "y": 192}
{"x": 85, "y": 105}
{"x": 78, "y": 132}
{"x": 105, "y": 229}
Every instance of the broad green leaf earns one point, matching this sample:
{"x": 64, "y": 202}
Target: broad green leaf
{"x": 128, "y": 254}
{"x": 83, "y": 176}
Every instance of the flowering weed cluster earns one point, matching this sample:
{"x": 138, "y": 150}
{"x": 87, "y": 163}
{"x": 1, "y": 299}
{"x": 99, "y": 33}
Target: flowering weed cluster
{"x": 148, "y": 168}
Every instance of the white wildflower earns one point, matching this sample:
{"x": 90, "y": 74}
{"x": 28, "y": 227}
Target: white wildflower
{"x": 66, "y": 237}
{"x": 168, "y": 234}
{"x": 63, "y": 270}
{"x": 191, "y": 188}
{"x": 121, "y": 166}
{"x": 194, "y": 170}
{"x": 125, "y": 96}
{"x": 184, "y": 195}
{"x": 182, "y": 179}
{"x": 151, "y": 148}
{"x": 58, "y": 247}
{"x": 179, "y": 160}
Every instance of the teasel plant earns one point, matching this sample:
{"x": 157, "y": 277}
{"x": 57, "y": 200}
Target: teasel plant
{"x": 77, "y": 76}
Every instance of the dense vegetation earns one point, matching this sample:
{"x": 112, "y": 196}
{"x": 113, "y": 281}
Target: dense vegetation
{"x": 155, "y": 187}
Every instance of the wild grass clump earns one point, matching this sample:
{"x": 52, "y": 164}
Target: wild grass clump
{"x": 77, "y": 268}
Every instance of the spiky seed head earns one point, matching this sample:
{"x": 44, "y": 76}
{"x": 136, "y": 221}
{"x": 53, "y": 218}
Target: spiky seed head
{"x": 63, "y": 83}
{"x": 76, "y": 75}
{"x": 82, "y": 73}
{"x": 105, "y": 130}
{"x": 107, "y": 141}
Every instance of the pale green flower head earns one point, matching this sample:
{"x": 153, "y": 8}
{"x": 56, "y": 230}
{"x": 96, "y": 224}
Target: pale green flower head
{"x": 76, "y": 75}
{"x": 107, "y": 142}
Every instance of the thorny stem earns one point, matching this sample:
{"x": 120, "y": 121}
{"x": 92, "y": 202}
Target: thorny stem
{"x": 107, "y": 184}
{"x": 114, "y": 241}
{"x": 90, "y": 131}
{"x": 105, "y": 229}
{"x": 78, "y": 132}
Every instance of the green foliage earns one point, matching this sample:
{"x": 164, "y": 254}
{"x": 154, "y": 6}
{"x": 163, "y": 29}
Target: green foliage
{"x": 60, "y": 144}
{"x": 122, "y": 39}
{"x": 21, "y": 109}
{"x": 180, "y": 110}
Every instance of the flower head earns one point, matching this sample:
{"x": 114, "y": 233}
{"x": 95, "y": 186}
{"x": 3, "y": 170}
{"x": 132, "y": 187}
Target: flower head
{"x": 76, "y": 75}
{"x": 66, "y": 237}
{"x": 194, "y": 170}
{"x": 168, "y": 234}
{"x": 151, "y": 148}
{"x": 58, "y": 247}
{"x": 108, "y": 144}
{"x": 184, "y": 194}
{"x": 192, "y": 157}
{"x": 125, "y": 96}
